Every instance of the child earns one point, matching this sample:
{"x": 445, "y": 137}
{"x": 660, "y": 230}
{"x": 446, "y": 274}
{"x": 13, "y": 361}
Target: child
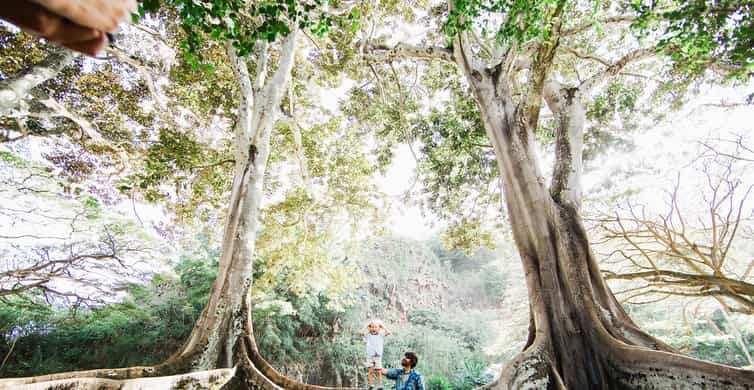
{"x": 375, "y": 336}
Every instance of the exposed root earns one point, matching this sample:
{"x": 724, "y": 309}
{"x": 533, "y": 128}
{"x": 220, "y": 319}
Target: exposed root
{"x": 104, "y": 373}
{"x": 626, "y": 367}
{"x": 530, "y": 370}
{"x": 251, "y": 374}
{"x": 202, "y": 380}
{"x": 257, "y": 362}
{"x": 635, "y": 367}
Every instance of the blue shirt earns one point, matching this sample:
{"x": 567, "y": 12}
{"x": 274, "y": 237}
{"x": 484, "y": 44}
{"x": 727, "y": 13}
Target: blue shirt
{"x": 413, "y": 379}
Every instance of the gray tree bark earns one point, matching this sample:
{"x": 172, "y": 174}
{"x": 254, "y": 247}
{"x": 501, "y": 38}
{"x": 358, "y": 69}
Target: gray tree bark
{"x": 580, "y": 336}
{"x": 14, "y": 89}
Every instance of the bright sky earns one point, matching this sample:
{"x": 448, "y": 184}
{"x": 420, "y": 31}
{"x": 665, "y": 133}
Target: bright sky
{"x": 405, "y": 219}
{"x": 670, "y": 146}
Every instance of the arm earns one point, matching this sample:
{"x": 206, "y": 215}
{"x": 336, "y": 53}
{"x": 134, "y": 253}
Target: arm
{"x": 387, "y": 332}
{"x": 391, "y": 373}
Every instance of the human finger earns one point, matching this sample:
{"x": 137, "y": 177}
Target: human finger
{"x": 31, "y": 17}
{"x": 70, "y": 32}
{"x": 102, "y": 15}
{"x": 91, "y": 47}
{"x": 36, "y": 19}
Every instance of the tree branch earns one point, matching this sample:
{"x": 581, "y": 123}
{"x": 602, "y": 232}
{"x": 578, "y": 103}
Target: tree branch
{"x": 542, "y": 61}
{"x": 141, "y": 67}
{"x": 288, "y": 51}
{"x": 15, "y": 88}
{"x": 611, "y": 71}
{"x": 610, "y": 20}
{"x": 261, "y": 69}
{"x": 243, "y": 133}
{"x": 403, "y": 51}
{"x": 584, "y": 56}
{"x": 737, "y": 286}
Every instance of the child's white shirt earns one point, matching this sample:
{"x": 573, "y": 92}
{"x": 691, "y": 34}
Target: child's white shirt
{"x": 375, "y": 343}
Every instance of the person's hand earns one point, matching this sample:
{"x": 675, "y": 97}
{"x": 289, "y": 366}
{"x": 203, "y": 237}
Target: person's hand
{"x": 67, "y": 30}
{"x": 361, "y": 333}
{"x": 102, "y": 15}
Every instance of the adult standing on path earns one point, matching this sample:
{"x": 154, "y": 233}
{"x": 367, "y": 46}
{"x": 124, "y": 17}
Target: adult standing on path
{"x": 406, "y": 378}
{"x": 80, "y": 25}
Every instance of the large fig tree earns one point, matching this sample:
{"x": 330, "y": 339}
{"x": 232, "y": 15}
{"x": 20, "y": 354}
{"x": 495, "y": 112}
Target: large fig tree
{"x": 534, "y": 70}
{"x": 260, "y": 41}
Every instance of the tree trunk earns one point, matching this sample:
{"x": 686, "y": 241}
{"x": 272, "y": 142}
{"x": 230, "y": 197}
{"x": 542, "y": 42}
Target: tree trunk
{"x": 223, "y": 336}
{"x": 580, "y": 337}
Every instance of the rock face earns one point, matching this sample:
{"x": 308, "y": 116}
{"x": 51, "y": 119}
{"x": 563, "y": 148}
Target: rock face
{"x": 407, "y": 275}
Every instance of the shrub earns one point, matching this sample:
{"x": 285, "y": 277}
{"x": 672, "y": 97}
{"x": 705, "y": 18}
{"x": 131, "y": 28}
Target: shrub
{"x": 437, "y": 382}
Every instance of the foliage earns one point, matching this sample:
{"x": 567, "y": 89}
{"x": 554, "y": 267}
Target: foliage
{"x": 436, "y": 382}
{"x": 618, "y": 103}
{"x": 698, "y": 33}
{"x": 714, "y": 347}
{"x": 472, "y": 376}
{"x": 707, "y": 336}
{"x": 243, "y": 23}
{"x": 524, "y": 21}
{"x": 176, "y": 164}
{"x": 316, "y": 212}
{"x": 11, "y": 160}
{"x": 150, "y": 323}
{"x": 457, "y": 167}
{"x": 303, "y": 333}
{"x": 457, "y": 175}
{"x": 426, "y": 304}
{"x": 298, "y": 330}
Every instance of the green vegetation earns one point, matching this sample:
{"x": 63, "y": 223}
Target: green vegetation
{"x": 698, "y": 33}
{"x": 150, "y": 323}
{"x": 150, "y": 128}
{"x": 12, "y": 160}
{"x": 438, "y": 303}
{"x": 708, "y": 338}
{"x": 428, "y": 297}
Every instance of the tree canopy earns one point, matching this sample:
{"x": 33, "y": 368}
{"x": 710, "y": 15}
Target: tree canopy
{"x": 272, "y": 119}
